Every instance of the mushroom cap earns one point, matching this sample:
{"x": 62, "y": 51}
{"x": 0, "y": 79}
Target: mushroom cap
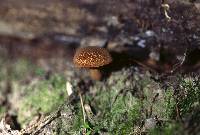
{"x": 92, "y": 57}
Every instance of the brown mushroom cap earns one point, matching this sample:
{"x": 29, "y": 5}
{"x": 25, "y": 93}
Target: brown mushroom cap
{"x": 92, "y": 57}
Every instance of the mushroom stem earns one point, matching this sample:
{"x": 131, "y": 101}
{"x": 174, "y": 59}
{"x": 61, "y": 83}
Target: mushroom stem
{"x": 95, "y": 74}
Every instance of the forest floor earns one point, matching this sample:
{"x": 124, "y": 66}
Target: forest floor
{"x": 151, "y": 87}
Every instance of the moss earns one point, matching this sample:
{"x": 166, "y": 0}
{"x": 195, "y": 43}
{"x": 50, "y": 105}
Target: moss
{"x": 189, "y": 95}
{"x": 187, "y": 100}
{"x": 168, "y": 129}
{"x": 169, "y": 104}
{"x": 119, "y": 117}
{"x": 21, "y": 68}
{"x": 118, "y": 110}
{"x": 122, "y": 104}
{"x": 40, "y": 71}
{"x": 2, "y": 111}
{"x": 119, "y": 105}
{"x": 44, "y": 97}
{"x": 78, "y": 119}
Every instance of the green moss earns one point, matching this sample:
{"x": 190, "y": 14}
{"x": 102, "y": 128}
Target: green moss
{"x": 189, "y": 98}
{"x": 2, "y": 111}
{"x": 40, "y": 71}
{"x": 169, "y": 104}
{"x": 78, "y": 119}
{"x": 21, "y": 68}
{"x": 118, "y": 110}
{"x": 168, "y": 129}
{"x": 44, "y": 97}
{"x": 119, "y": 105}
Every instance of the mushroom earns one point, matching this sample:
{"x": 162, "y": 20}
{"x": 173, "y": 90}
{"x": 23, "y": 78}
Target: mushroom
{"x": 93, "y": 58}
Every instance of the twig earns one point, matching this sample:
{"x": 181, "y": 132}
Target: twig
{"x": 36, "y": 128}
{"x": 178, "y": 66}
{"x": 178, "y": 113}
{"x": 165, "y": 7}
{"x": 82, "y": 106}
{"x": 143, "y": 65}
{"x": 175, "y": 68}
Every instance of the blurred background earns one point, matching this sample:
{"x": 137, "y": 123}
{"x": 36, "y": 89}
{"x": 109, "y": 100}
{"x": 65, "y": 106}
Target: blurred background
{"x": 137, "y": 29}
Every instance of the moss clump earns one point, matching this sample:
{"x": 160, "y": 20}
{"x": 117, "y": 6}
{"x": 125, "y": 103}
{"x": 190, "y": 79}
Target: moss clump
{"x": 123, "y": 104}
{"x": 43, "y": 97}
{"x": 2, "y": 111}
{"x": 168, "y": 129}
{"x": 118, "y": 114}
{"x": 20, "y": 68}
{"x": 189, "y": 95}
